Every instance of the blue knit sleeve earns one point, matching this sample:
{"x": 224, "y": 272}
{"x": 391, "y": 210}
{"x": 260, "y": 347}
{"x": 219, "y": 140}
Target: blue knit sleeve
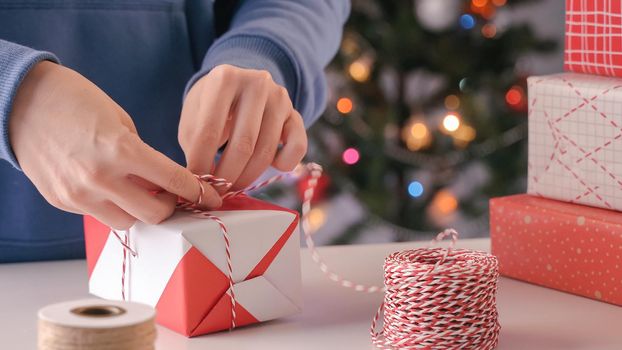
{"x": 294, "y": 40}
{"x": 15, "y": 62}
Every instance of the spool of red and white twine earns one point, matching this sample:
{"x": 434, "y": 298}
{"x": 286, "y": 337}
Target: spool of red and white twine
{"x": 435, "y": 298}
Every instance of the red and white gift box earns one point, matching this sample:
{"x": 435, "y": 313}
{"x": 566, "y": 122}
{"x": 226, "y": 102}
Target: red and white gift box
{"x": 575, "y": 139}
{"x": 181, "y": 266}
{"x": 569, "y": 247}
{"x": 594, "y": 37}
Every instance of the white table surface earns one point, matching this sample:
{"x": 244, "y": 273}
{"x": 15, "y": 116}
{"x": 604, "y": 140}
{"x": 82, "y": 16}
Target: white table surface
{"x": 334, "y": 317}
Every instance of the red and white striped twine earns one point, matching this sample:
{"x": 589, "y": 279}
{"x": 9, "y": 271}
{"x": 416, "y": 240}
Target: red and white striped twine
{"x": 192, "y": 207}
{"x": 125, "y": 243}
{"x": 435, "y": 298}
{"x": 439, "y": 298}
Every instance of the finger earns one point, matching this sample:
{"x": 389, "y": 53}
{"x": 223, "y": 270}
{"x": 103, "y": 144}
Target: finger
{"x": 144, "y": 183}
{"x": 110, "y": 214}
{"x": 294, "y": 143}
{"x": 247, "y": 123}
{"x": 139, "y": 203}
{"x": 201, "y": 142}
{"x": 277, "y": 110}
{"x": 158, "y": 169}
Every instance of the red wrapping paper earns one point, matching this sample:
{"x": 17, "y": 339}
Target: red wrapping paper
{"x": 559, "y": 245}
{"x": 594, "y": 37}
{"x": 181, "y": 267}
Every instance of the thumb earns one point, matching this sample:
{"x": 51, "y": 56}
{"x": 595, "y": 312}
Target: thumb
{"x": 161, "y": 171}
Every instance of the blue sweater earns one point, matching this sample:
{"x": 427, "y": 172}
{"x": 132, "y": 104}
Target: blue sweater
{"x": 145, "y": 54}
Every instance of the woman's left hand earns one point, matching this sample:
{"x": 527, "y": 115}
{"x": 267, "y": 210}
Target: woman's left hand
{"x": 247, "y": 110}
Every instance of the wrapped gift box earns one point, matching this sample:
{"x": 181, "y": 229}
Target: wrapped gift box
{"x": 575, "y": 139}
{"x": 181, "y": 266}
{"x": 594, "y": 37}
{"x": 559, "y": 245}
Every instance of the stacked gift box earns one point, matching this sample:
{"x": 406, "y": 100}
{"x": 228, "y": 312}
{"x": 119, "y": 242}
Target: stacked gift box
{"x": 566, "y": 233}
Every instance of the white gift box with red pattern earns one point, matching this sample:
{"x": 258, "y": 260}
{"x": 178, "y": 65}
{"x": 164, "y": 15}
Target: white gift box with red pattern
{"x": 575, "y": 139}
{"x": 181, "y": 266}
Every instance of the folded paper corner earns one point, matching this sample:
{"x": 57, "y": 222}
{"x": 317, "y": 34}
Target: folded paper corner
{"x": 257, "y": 300}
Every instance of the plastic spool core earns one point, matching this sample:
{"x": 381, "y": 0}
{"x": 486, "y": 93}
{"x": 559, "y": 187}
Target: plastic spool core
{"x": 98, "y": 311}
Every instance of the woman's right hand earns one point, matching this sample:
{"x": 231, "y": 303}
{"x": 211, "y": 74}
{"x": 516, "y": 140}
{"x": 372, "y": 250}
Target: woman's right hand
{"x": 81, "y": 151}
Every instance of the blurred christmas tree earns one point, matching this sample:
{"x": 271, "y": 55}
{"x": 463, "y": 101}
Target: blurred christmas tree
{"x": 427, "y": 114}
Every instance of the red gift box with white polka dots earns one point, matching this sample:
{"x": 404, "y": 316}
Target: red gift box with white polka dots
{"x": 564, "y": 246}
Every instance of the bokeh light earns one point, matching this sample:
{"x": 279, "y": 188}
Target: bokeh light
{"x": 351, "y": 156}
{"x": 359, "y": 70}
{"x": 499, "y": 2}
{"x": 479, "y": 3}
{"x": 464, "y": 135}
{"x": 467, "y": 21}
{"x": 445, "y": 202}
{"x": 317, "y": 218}
{"x": 489, "y": 30}
{"x": 463, "y": 84}
{"x": 415, "y": 189}
{"x": 419, "y": 130}
{"x": 514, "y": 96}
{"x": 349, "y": 45}
{"x": 452, "y": 102}
{"x": 416, "y": 134}
{"x": 451, "y": 122}
{"x": 345, "y": 105}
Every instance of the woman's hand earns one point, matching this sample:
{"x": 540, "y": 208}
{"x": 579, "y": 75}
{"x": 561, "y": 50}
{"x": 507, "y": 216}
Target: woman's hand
{"x": 81, "y": 150}
{"x": 251, "y": 113}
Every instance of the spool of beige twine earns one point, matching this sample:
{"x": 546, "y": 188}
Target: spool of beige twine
{"x": 96, "y": 324}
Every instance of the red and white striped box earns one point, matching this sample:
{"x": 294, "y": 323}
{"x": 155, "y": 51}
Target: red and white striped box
{"x": 181, "y": 266}
{"x": 594, "y": 37}
{"x": 575, "y": 139}
{"x": 569, "y": 247}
